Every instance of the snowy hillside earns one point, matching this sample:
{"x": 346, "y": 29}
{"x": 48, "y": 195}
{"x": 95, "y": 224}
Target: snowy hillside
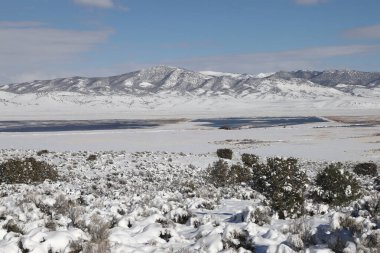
{"x": 169, "y": 79}
{"x": 172, "y": 90}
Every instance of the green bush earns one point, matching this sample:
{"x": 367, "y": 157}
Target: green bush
{"x": 249, "y": 159}
{"x": 365, "y": 169}
{"x": 279, "y": 179}
{"x": 239, "y": 174}
{"x": 376, "y": 183}
{"x": 225, "y": 153}
{"x": 92, "y": 158}
{"x": 218, "y": 173}
{"x": 29, "y": 170}
{"x": 284, "y": 183}
{"x": 42, "y": 152}
{"x": 337, "y": 186}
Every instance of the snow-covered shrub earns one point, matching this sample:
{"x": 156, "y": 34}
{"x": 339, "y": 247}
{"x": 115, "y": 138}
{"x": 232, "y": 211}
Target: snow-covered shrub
{"x": 376, "y": 183}
{"x": 165, "y": 235}
{"x": 372, "y": 241}
{"x": 99, "y": 232}
{"x": 249, "y": 159}
{"x": 365, "y": 169}
{"x": 352, "y": 225}
{"x": 29, "y": 170}
{"x": 62, "y": 205}
{"x": 337, "y": 186}
{"x": 295, "y": 242}
{"x": 224, "y": 153}
{"x": 165, "y": 223}
{"x": 235, "y": 238}
{"x": 238, "y": 174}
{"x": 46, "y": 209}
{"x": 206, "y": 205}
{"x": 283, "y": 182}
{"x": 92, "y": 158}
{"x": 260, "y": 215}
{"x": 194, "y": 222}
{"x": 345, "y": 233}
{"x": 51, "y": 225}
{"x": 300, "y": 234}
{"x": 179, "y": 215}
{"x": 42, "y": 152}
{"x": 221, "y": 174}
{"x": 101, "y": 247}
{"x": 76, "y": 247}
{"x": 368, "y": 207}
{"x": 75, "y": 214}
{"x": 218, "y": 173}
{"x": 12, "y": 226}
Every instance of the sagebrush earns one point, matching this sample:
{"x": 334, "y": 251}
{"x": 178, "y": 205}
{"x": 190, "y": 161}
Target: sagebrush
{"x": 26, "y": 171}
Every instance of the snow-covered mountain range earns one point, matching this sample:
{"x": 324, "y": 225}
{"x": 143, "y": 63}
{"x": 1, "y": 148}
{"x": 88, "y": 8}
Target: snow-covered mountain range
{"x": 164, "y": 87}
{"x": 181, "y": 81}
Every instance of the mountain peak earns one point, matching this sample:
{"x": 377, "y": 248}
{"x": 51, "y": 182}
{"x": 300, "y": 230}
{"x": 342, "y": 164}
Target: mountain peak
{"x": 219, "y": 74}
{"x": 164, "y": 68}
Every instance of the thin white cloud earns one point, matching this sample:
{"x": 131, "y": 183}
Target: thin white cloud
{"x": 366, "y": 32}
{"x": 309, "y": 2}
{"x": 33, "y": 49}
{"x": 96, "y": 3}
{"x": 309, "y": 58}
{"x": 34, "y": 44}
{"x": 19, "y": 24}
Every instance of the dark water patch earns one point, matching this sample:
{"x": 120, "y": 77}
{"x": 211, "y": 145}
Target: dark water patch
{"x": 78, "y": 125}
{"x": 258, "y": 122}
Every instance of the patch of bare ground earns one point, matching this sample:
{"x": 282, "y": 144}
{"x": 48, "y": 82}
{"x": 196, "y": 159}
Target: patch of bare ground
{"x": 367, "y": 119}
{"x": 374, "y": 151}
{"x": 244, "y": 142}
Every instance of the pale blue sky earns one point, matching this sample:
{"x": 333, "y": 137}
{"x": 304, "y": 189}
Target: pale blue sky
{"x": 42, "y": 39}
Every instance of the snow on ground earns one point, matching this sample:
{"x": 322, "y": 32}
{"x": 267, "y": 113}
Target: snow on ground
{"x": 147, "y": 202}
{"x": 330, "y": 141}
{"x": 263, "y": 75}
{"x": 291, "y": 100}
{"x": 148, "y": 193}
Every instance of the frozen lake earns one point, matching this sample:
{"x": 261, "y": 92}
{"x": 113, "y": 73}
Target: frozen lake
{"x": 327, "y": 140}
{"x": 91, "y": 125}
{"x": 78, "y": 125}
{"x": 257, "y": 122}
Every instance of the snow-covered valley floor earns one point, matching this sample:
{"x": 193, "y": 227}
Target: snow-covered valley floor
{"x": 150, "y": 192}
{"x": 331, "y": 141}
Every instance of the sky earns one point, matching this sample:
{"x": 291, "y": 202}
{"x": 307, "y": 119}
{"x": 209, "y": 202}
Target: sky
{"x": 45, "y": 39}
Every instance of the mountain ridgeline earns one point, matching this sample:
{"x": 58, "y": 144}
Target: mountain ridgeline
{"x": 163, "y": 79}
